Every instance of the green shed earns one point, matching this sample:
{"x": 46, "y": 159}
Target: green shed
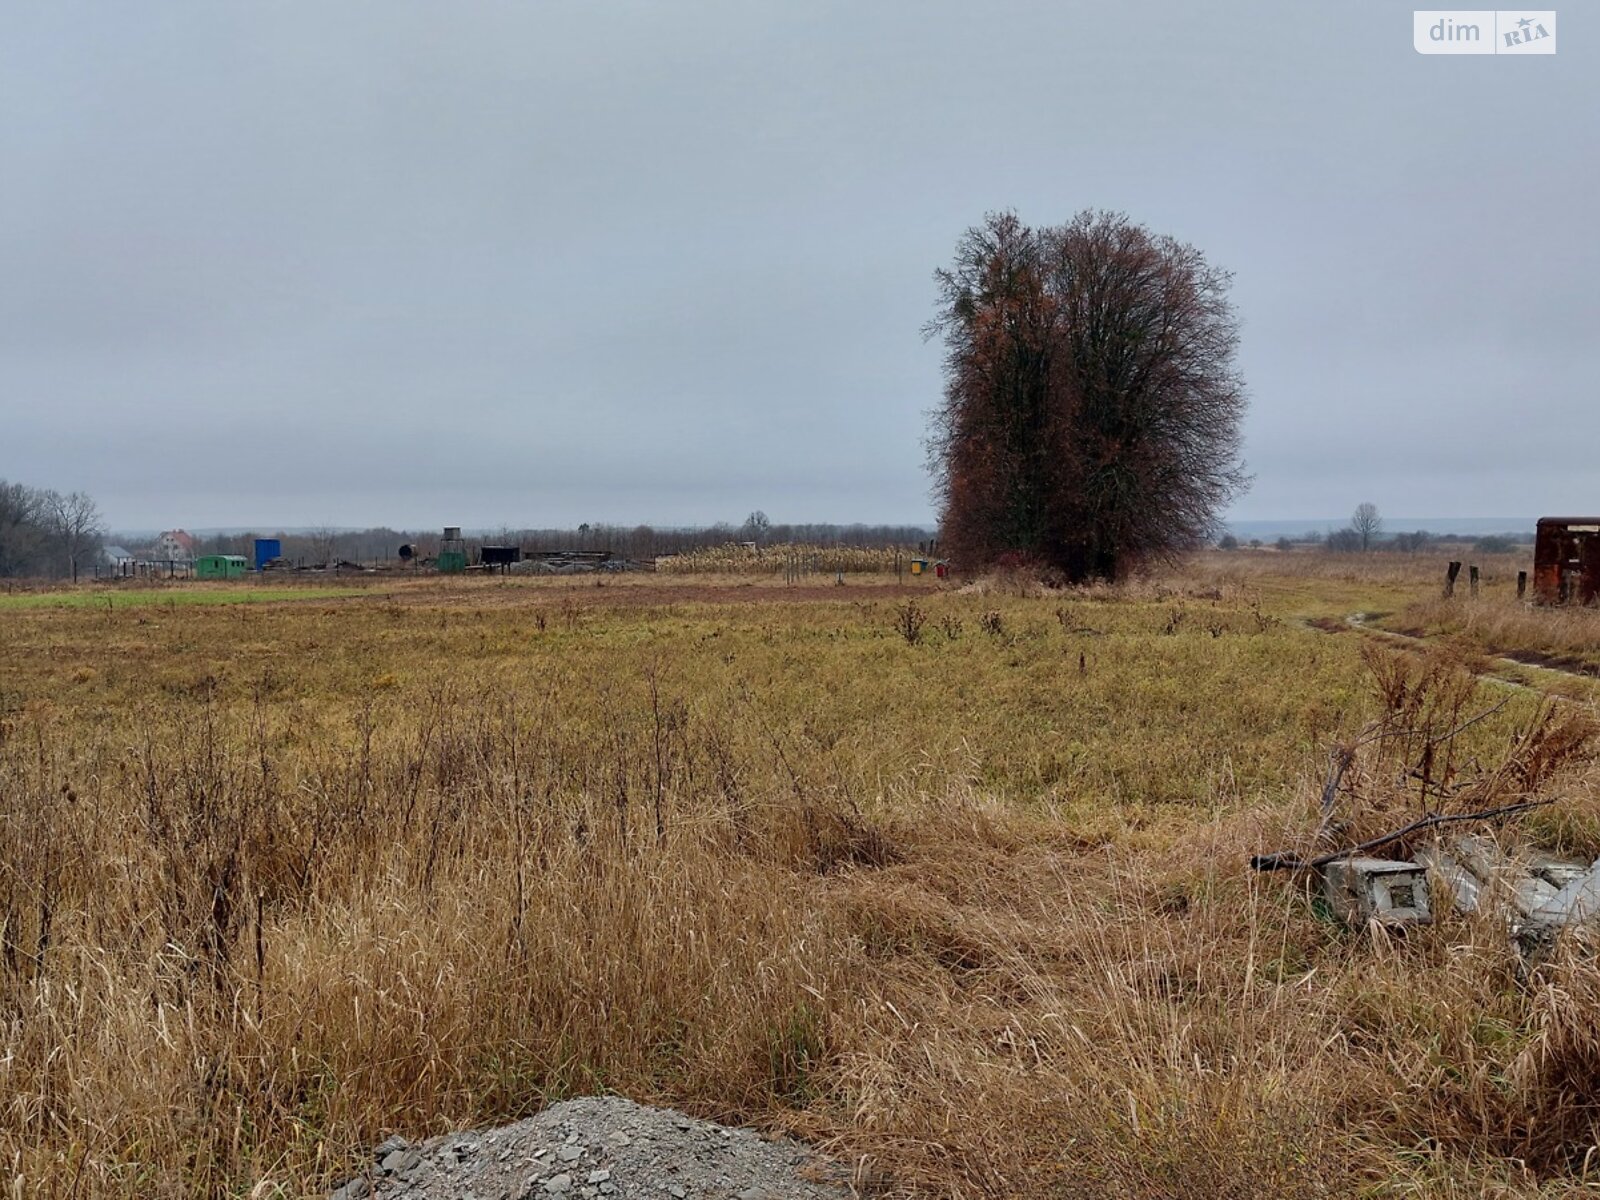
{"x": 219, "y": 566}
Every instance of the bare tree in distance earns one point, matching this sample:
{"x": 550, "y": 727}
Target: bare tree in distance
{"x": 756, "y": 526}
{"x": 78, "y": 527}
{"x": 23, "y": 516}
{"x": 1092, "y": 405}
{"x": 43, "y": 532}
{"x": 1367, "y": 524}
{"x": 324, "y": 542}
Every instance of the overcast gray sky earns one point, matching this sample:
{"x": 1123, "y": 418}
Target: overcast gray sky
{"x": 549, "y": 261}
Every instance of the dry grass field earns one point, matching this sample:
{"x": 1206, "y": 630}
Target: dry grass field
{"x": 953, "y": 881}
{"x": 1565, "y": 639}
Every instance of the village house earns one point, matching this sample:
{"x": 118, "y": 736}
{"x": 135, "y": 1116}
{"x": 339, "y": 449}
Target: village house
{"x": 175, "y": 545}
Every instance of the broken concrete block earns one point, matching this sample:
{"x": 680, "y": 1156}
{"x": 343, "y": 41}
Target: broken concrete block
{"x": 1545, "y": 892}
{"x": 1578, "y": 901}
{"x": 1529, "y": 894}
{"x": 1464, "y": 886}
{"x": 1558, "y": 872}
{"x": 1482, "y": 857}
{"x": 1373, "y": 889}
{"x": 1498, "y": 873}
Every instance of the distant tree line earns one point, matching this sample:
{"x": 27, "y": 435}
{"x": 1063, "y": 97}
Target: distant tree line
{"x": 379, "y": 544}
{"x": 1364, "y": 534}
{"x": 45, "y": 533}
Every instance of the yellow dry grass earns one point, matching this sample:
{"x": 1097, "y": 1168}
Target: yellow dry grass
{"x": 969, "y": 908}
{"x": 1497, "y": 623}
{"x": 738, "y": 558}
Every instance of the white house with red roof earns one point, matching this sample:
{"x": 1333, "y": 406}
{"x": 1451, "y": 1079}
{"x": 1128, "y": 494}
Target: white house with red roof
{"x": 175, "y": 545}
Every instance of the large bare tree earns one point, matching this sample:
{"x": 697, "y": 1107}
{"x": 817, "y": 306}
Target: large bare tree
{"x": 1092, "y": 405}
{"x": 76, "y": 523}
{"x": 1367, "y": 524}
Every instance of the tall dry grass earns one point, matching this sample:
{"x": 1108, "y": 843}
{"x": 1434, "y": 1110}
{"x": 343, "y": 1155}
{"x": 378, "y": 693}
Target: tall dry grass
{"x": 972, "y": 911}
{"x": 739, "y": 559}
{"x": 1495, "y": 622}
{"x": 1378, "y": 566}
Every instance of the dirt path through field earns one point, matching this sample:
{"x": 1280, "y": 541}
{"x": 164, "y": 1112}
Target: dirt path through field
{"x": 1358, "y": 621}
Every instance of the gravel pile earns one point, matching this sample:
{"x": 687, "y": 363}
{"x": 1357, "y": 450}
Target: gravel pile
{"x": 600, "y": 1147}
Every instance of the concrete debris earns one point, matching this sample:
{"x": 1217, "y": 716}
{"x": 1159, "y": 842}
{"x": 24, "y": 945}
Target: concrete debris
{"x": 1538, "y": 894}
{"x": 1505, "y": 876}
{"x": 1465, "y": 890}
{"x": 600, "y": 1146}
{"x": 1359, "y": 890}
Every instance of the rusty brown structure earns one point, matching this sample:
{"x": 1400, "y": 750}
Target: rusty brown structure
{"x": 1566, "y": 561}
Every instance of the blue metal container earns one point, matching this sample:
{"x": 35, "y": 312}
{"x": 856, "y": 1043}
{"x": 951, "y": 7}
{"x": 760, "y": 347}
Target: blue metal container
{"x": 267, "y": 549}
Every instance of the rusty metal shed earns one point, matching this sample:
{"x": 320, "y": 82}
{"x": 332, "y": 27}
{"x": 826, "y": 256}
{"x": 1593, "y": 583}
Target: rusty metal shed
{"x": 1566, "y": 561}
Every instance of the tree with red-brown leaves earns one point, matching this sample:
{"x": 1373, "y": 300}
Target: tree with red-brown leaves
{"x": 1092, "y": 406}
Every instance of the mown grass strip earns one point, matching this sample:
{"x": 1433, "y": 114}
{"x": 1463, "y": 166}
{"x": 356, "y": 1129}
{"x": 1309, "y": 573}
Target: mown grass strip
{"x": 166, "y": 596}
